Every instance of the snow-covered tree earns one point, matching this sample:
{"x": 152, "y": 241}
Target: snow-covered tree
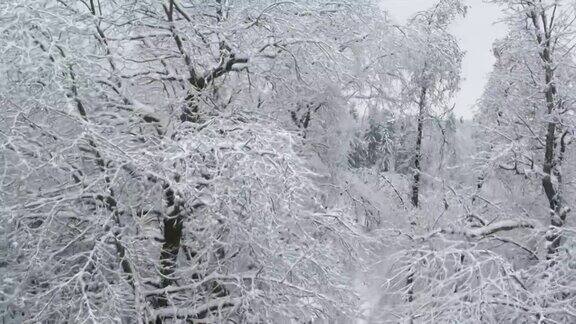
{"x": 265, "y": 161}
{"x": 147, "y": 175}
{"x": 527, "y": 105}
{"x": 433, "y": 65}
{"x": 508, "y": 256}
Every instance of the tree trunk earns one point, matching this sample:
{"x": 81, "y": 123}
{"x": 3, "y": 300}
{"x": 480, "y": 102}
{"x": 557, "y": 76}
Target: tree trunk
{"x": 418, "y": 149}
{"x": 558, "y": 216}
{"x": 173, "y": 226}
{"x": 550, "y": 168}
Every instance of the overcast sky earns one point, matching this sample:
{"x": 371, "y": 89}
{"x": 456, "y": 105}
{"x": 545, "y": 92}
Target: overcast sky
{"x": 476, "y": 34}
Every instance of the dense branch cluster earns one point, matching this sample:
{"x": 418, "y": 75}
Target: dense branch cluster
{"x": 248, "y": 161}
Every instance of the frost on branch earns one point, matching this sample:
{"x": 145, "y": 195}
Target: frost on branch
{"x": 263, "y": 161}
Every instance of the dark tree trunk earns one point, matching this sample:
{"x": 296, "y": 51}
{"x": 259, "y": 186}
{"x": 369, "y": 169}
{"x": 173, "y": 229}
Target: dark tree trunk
{"x": 418, "y": 148}
{"x": 550, "y": 167}
{"x": 172, "y": 237}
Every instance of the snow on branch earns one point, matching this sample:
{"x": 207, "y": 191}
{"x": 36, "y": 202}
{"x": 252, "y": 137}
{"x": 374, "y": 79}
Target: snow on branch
{"x": 490, "y": 229}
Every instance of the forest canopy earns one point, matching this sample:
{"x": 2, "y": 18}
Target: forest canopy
{"x": 265, "y": 161}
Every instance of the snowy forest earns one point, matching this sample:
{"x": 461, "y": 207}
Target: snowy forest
{"x": 268, "y": 161}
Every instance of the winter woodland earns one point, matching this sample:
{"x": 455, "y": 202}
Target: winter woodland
{"x": 267, "y": 161}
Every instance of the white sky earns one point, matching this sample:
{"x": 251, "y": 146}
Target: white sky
{"x": 476, "y": 33}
